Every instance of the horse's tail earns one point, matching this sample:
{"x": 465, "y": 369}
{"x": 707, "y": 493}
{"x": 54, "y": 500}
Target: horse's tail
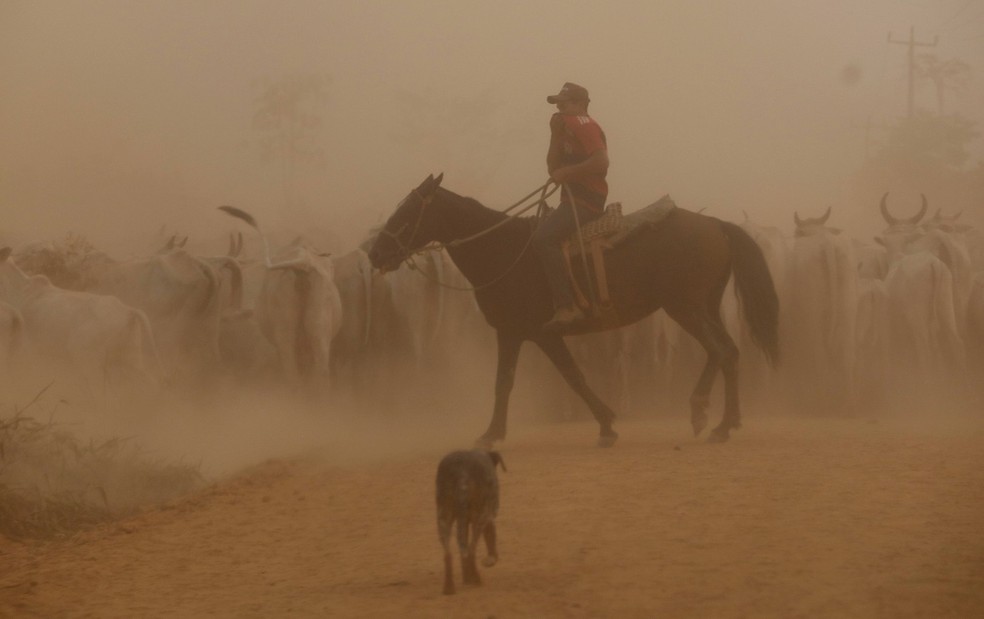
{"x": 756, "y": 290}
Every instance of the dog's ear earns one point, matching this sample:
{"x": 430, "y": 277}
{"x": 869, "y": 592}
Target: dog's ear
{"x": 497, "y": 459}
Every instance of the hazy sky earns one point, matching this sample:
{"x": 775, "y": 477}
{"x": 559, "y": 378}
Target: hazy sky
{"x": 120, "y": 117}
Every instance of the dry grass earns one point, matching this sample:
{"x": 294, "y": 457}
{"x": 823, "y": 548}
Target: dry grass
{"x": 52, "y": 484}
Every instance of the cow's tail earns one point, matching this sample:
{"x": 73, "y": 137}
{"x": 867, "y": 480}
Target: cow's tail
{"x": 143, "y": 337}
{"x": 236, "y": 279}
{"x": 365, "y": 269}
{"x": 756, "y": 290}
{"x": 239, "y": 213}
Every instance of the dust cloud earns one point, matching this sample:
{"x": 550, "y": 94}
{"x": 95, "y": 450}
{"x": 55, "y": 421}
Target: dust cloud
{"x": 129, "y": 122}
{"x": 122, "y": 119}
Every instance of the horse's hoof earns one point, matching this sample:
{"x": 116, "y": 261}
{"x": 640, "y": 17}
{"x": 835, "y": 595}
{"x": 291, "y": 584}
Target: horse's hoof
{"x": 698, "y": 422}
{"x": 607, "y": 440}
{"x": 489, "y": 561}
{"x": 718, "y": 436}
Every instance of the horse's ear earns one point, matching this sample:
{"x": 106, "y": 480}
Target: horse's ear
{"x": 437, "y": 181}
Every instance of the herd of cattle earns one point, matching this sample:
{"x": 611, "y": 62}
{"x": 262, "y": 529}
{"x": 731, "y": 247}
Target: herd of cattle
{"x": 861, "y": 322}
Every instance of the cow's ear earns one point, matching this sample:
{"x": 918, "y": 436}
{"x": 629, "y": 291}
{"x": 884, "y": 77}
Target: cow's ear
{"x": 880, "y": 241}
{"x": 4, "y": 253}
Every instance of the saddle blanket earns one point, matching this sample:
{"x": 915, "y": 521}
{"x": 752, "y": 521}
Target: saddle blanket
{"x": 614, "y": 227}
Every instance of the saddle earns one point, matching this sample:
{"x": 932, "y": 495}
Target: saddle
{"x": 600, "y": 235}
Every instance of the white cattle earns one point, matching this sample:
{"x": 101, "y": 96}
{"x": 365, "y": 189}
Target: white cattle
{"x": 13, "y": 339}
{"x": 299, "y": 310}
{"x": 926, "y": 345}
{"x": 350, "y": 352}
{"x": 873, "y": 345}
{"x": 818, "y": 324}
{"x": 91, "y": 337}
{"x": 179, "y": 293}
{"x": 928, "y": 290}
{"x": 975, "y": 331}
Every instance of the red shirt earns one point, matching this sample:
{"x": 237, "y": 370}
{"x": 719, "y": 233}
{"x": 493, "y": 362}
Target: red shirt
{"x": 582, "y": 136}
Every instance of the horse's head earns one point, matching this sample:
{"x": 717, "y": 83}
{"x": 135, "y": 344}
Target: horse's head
{"x": 408, "y": 228}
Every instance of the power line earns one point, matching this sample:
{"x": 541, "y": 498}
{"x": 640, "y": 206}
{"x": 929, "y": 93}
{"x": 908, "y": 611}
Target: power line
{"x": 913, "y": 44}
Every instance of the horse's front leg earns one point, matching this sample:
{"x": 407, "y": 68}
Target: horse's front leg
{"x": 558, "y": 352}
{"x": 505, "y": 377}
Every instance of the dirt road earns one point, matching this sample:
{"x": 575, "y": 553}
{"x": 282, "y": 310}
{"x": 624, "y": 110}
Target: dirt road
{"x": 792, "y": 518}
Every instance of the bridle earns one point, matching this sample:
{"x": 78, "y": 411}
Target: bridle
{"x": 407, "y": 253}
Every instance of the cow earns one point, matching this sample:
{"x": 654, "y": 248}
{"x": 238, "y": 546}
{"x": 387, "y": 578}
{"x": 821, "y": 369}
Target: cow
{"x": 873, "y": 344}
{"x": 298, "y": 309}
{"x": 926, "y": 345}
{"x": 975, "y": 331}
{"x": 818, "y": 325}
{"x": 13, "y": 339}
{"x": 928, "y": 289}
{"x": 94, "y": 339}
{"x": 350, "y": 352}
{"x": 178, "y": 292}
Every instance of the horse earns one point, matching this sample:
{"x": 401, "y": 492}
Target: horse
{"x": 682, "y": 264}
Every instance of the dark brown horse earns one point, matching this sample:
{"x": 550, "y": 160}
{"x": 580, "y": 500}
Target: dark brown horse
{"x": 681, "y": 264}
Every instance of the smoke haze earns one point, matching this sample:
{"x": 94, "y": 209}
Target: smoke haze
{"x": 121, "y": 118}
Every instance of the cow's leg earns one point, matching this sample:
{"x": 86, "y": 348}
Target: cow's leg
{"x": 490, "y": 546}
{"x": 722, "y": 354}
{"x": 505, "y": 377}
{"x": 557, "y": 351}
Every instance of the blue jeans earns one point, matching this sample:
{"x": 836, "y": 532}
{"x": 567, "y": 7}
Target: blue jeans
{"x": 553, "y": 230}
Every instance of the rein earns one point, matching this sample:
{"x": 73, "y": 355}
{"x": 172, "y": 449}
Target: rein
{"x": 540, "y": 202}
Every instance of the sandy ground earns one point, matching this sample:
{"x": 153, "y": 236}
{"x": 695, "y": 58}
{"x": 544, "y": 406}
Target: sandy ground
{"x": 792, "y": 518}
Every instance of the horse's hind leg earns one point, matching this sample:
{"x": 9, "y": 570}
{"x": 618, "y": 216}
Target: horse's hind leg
{"x": 557, "y": 351}
{"x": 722, "y": 354}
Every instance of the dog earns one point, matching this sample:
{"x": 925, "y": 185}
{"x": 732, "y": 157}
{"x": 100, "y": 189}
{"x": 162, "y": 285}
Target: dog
{"x": 468, "y": 493}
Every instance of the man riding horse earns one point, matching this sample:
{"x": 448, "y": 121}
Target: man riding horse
{"x": 578, "y": 160}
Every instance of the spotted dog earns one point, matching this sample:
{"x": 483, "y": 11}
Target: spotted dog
{"x": 468, "y": 492}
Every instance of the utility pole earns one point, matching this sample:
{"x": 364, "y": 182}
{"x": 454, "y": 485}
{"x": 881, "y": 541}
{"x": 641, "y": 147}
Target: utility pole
{"x": 913, "y": 44}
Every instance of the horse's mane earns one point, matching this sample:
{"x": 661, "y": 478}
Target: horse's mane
{"x": 475, "y": 204}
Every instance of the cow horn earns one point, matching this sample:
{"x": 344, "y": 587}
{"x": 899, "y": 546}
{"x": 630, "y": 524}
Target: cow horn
{"x": 796, "y": 218}
{"x": 825, "y": 217}
{"x": 231, "y": 252}
{"x": 922, "y": 210}
{"x": 883, "y": 205}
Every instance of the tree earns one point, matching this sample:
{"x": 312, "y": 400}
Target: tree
{"x": 925, "y": 154}
{"x": 288, "y": 119}
{"x": 470, "y": 137}
{"x": 950, "y": 74}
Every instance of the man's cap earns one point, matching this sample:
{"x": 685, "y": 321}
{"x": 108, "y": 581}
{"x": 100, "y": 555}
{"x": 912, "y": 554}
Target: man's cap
{"x": 570, "y": 92}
